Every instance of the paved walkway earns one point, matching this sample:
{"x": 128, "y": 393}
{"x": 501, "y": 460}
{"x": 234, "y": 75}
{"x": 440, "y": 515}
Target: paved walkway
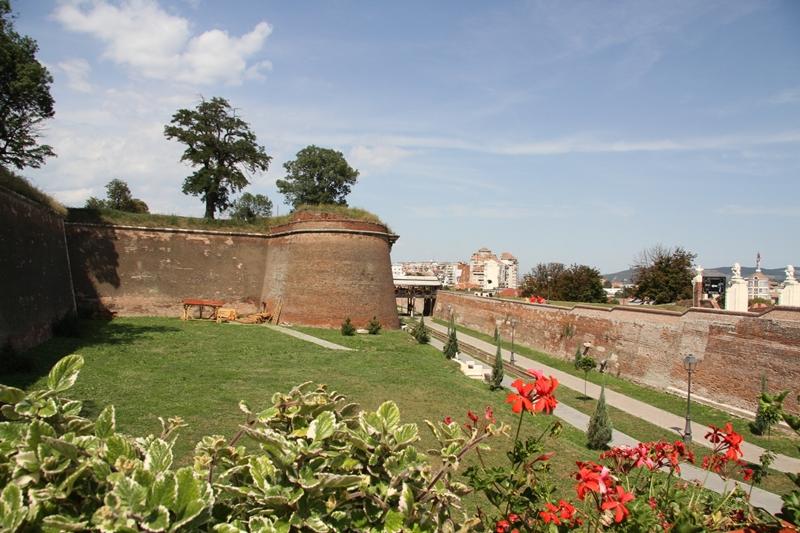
{"x": 759, "y": 498}
{"x": 630, "y": 405}
{"x": 309, "y": 338}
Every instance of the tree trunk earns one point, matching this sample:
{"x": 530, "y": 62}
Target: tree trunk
{"x": 210, "y": 206}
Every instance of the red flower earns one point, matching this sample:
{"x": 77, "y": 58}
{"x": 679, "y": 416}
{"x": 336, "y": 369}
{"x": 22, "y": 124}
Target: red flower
{"x": 502, "y": 526}
{"x": 523, "y": 399}
{"x": 448, "y": 420}
{"x": 616, "y": 501}
{"x": 726, "y": 440}
{"x": 592, "y": 478}
{"x": 472, "y": 416}
{"x": 747, "y": 473}
{"x": 545, "y": 387}
{"x": 489, "y": 414}
{"x": 564, "y": 512}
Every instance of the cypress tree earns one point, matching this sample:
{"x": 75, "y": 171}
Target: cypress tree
{"x": 598, "y": 435}
{"x": 497, "y": 370}
{"x": 451, "y": 348}
{"x": 421, "y": 332}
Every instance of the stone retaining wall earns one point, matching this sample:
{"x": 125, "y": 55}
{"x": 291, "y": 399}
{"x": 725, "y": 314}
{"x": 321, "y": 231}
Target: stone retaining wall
{"x": 735, "y": 348}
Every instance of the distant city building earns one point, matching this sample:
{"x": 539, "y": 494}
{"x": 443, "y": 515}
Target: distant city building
{"x": 483, "y": 271}
{"x": 759, "y": 284}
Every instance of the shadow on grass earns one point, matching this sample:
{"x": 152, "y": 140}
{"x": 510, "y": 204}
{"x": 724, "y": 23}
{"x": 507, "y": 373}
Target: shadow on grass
{"x": 91, "y": 332}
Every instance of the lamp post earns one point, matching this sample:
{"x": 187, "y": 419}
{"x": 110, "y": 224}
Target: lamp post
{"x": 513, "y": 327}
{"x": 689, "y": 364}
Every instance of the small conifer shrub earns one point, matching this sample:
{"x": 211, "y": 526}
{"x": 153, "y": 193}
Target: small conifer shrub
{"x": 451, "y": 348}
{"x": 348, "y": 329}
{"x": 374, "y": 326}
{"x": 421, "y": 332}
{"x": 598, "y": 434}
{"x": 497, "y": 370}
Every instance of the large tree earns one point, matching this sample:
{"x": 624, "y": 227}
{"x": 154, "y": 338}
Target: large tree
{"x": 543, "y": 280}
{"x": 663, "y": 275}
{"x": 249, "y": 208}
{"x": 223, "y": 148}
{"x": 119, "y": 197}
{"x": 317, "y": 176}
{"x": 554, "y": 281}
{"x": 25, "y": 100}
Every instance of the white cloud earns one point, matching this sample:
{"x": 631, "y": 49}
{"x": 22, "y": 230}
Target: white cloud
{"x": 370, "y": 158}
{"x": 77, "y": 74}
{"x": 155, "y": 44}
{"x": 759, "y": 210}
{"x": 788, "y": 96}
{"x": 500, "y": 212}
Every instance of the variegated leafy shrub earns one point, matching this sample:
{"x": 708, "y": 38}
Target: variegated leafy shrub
{"x": 315, "y": 463}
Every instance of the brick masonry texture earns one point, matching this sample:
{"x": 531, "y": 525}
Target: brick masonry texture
{"x": 318, "y": 269}
{"x": 735, "y": 349}
{"x": 35, "y": 286}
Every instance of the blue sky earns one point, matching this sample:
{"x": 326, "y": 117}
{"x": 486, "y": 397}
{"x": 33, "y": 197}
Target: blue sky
{"x": 559, "y": 131}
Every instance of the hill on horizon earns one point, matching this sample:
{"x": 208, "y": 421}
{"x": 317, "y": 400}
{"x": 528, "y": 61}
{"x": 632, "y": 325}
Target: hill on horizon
{"x": 775, "y": 273}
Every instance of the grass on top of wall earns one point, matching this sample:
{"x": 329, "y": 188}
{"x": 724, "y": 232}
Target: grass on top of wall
{"x": 781, "y": 441}
{"x": 23, "y": 187}
{"x": 151, "y": 220}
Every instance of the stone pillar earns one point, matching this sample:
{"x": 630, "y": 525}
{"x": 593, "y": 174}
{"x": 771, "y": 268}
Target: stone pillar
{"x": 790, "y": 293}
{"x": 697, "y": 287}
{"x": 736, "y": 294}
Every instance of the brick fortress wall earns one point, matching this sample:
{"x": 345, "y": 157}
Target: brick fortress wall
{"x": 35, "y": 285}
{"x": 735, "y": 348}
{"x": 320, "y": 269}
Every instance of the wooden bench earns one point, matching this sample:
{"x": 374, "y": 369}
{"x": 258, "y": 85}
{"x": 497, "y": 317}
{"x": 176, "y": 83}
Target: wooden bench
{"x": 188, "y": 303}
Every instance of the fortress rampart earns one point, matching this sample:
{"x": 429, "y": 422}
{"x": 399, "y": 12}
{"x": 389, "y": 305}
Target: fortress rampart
{"x": 735, "y": 349}
{"x": 318, "y": 268}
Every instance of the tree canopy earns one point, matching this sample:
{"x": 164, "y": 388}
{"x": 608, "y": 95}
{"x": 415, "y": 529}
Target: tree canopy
{"x": 250, "y": 207}
{"x": 222, "y": 146}
{"x": 25, "y": 100}
{"x": 317, "y": 176}
{"x": 554, "y": 281}
{"x": 663, "y": 275}
{"x": 119, "y": 197}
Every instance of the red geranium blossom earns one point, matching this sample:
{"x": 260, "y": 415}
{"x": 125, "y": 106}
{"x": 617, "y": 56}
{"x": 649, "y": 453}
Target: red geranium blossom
{"x": 726, "y": 440}
{"x": 563, "y": 512}
{"x": 523, "y": 399}
{"x": 616, "y": 501}
{"x": 592, "y": 478}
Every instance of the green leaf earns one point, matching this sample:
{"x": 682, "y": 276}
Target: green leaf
{"x": 12, "y": 512}
{"x": 192, "y": 497}
{"x": 261, "y": 470}
{"x": 67, "y": 449}
{"x": 322, "y": 427}
{"x": 106, "y": 424}
{"x": 61, "y": 522}
{"x": 315, "y": 523}
{"x": 406, "y": 434}
{"x": 118, "y": 446}
{"x": 157, "y": 520}
{"x": 10, "y": 394}
{"x": 158, "y": 457}
{"x": 64, "y": 373}
{"x": 131, "y": 494}
{"x": 394, "y": 522}
{"x": 340, "y": 481}
{"x": 406, "y": 505}
{"x": 390, "y": 415}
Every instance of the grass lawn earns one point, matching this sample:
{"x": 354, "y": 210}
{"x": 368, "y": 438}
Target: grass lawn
{"x": 199, "y": 370}
{"x": 782, "y": 442}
